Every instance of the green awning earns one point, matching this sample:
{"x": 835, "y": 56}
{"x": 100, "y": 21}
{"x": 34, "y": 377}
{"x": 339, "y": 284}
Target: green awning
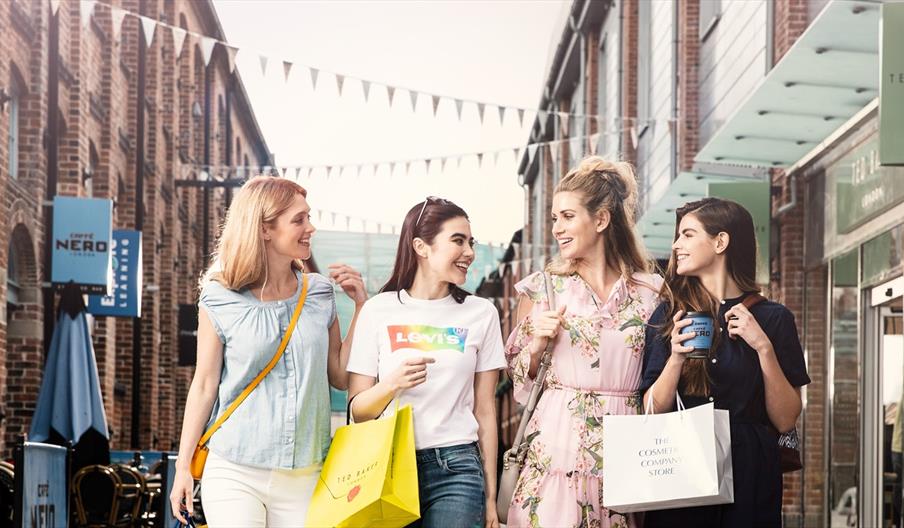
{"x": 828, "y": 76}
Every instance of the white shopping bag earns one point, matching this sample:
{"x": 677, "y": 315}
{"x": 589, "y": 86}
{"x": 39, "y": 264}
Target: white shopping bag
{"x": 672, "y": 460}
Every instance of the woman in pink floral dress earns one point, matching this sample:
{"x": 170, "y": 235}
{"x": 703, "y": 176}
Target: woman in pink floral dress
{"x": 604, "y": 293}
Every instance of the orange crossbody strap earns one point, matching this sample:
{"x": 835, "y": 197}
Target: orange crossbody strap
{"x": 256, "y": 381}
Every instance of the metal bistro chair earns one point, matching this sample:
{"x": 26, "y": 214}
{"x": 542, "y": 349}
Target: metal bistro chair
{"x": 96, "y": 498}
{"x": 131, "y": 492}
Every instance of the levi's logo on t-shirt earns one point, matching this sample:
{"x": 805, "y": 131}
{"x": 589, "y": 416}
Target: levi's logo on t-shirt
{"x": 427, "y": 338}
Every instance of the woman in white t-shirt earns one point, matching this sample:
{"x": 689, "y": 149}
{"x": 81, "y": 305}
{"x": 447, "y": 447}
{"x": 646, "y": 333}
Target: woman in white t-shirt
{"x": 430, "y": 344}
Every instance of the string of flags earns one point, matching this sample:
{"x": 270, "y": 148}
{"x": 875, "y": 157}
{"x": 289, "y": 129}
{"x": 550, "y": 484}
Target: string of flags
{"x": 581, "y": 144}
{"x": 207, "y": 45}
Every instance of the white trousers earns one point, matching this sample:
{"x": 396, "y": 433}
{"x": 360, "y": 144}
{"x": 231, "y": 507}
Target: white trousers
{"x": 234, "y": 495}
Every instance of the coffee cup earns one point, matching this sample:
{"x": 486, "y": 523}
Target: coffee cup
{"x": 702, "y": 325}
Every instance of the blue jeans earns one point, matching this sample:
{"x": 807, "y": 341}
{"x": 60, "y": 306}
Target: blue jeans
{"x": 451, "y": 487}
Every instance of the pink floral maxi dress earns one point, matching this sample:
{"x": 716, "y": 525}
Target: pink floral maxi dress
{"x": 595, "y": 370}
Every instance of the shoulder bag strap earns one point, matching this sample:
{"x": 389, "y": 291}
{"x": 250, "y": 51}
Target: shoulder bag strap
{"x": 540, "y": 379}
{"x": 256, "y": 381}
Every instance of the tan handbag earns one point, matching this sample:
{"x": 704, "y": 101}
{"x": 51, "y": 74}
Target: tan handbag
{"x": 513, "y": 459}
{"x": 199, "y": 457}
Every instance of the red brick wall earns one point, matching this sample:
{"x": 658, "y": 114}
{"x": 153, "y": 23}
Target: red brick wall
{"x": 688, "y": 81}
{"x": 97, "y": 102}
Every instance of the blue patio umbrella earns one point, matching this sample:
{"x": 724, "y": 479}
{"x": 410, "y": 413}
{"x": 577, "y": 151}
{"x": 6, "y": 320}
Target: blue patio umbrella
{"x": 70, "y": 402}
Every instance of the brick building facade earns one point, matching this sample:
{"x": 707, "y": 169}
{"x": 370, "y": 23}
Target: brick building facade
{"x": 73, "y": 116}
{"x": 681, "y": 88}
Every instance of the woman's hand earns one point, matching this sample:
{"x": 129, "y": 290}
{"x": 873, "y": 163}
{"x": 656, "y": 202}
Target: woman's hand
{"x": 679, "y": 350}
{"x": 546, "y": 326}
{"x": 411, "y": 373}
{"x": 349, "y": 279}
{"x": 182, "y": 495}
{"x": 492, "y": 516}
{"x": 741, "y": 323}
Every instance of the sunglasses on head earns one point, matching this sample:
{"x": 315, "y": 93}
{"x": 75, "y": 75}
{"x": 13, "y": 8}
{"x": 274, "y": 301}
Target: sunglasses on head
{"x": 429, "y": 199}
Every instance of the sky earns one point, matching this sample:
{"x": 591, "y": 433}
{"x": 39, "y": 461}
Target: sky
{"x": 490, "y": 51}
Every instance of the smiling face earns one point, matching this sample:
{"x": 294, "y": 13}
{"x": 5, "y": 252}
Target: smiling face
{"x": 577, "y": 231}
{"x": 290, "y": 234}
{"x": 452, "y": 251}
{"x": 695, "y": 250}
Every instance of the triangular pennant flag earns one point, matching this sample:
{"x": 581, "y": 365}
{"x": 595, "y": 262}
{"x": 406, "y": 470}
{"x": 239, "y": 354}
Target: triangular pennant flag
{"x": 54, "y": 6}
{"x": 501, "y": 110}
{"x": 413, "y": 96}
{"x": 207, "y": 45}
{"x": 480, "y": 108}
{"x": 117, "y": 15}
{"x": 495, "y": 158}
{"x": 263, "y": 59}
{"x": 329, "y": 171}
{"x": 314, "y": 73}
{"x": 287, "y": 68}
{"x": 340, "y": 80}
{"x": 563, "y": 116}
{"x": 521, "y": 117}
{"x": 407, "y": 167}
{"x": 179, "y": 35}
{"x": 86, "y": 10}
{"x": 445, "y": 164}
{"x": 148, "y": 25}
{"x": 231, "y": 52}
{"x": 365, "y": 85}
{"x": 543, "y": 118}
{"x": 458, "y": 104}
{"x": 479, "y": 160}
{"x": 531, "y": 152}
{"x": 391, "y": 91}
{"x": 435, "y": 104}
{"x": 574, "y": 147}
{"x": 283, "y": 171}
{"x": 297, "y": 172}
{"x": 428, "y": 161}
{"x": 594, "y": 143}
{"x": 554, "y": 154}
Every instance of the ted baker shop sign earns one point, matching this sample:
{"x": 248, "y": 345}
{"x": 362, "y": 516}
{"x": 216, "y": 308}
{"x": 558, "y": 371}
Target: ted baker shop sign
{"x": 82, "y": 231}
{"x": 891, "y": 85}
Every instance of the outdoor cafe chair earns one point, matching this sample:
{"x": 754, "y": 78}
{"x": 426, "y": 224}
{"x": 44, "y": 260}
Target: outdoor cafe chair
{"x": 131, "y": 491}
{"x": 97, "y": 492}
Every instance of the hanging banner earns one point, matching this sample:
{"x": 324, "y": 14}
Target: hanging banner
{"x": 891, "y": 86}
{"x": 125, "y": 300}
{"x": 45, "y": 486}
{"x": 82, "y": 231}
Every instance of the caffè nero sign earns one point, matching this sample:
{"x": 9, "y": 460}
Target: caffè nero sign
{"x": 82, "y": 233}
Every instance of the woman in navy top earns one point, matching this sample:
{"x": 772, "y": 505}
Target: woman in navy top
{"x": 754, "y": 369}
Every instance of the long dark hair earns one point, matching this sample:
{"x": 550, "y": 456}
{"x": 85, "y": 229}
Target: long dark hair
{"x": 686, "y": 293}
{"x": 425, "y": 220}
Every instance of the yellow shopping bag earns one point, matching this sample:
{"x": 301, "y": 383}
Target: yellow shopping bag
{"x": 369, "y": 477}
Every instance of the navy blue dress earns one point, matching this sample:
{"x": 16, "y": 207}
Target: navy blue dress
{"x": 737, "y": 386}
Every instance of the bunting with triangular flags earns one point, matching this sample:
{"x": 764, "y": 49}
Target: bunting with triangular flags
{"x": 340, "y": 80}
{"x": 521, "y": 117}
{"x": 54, "y": 7}
{"x": 594, "y": 143}
{"x": 501, "y": 110}
{"x": 314, "y": 73}
{"x": 207, "y": 45}
{"x": 435, "y": 104}
{"x": 480, "y": 108}
{"x": 117, "y": 15}
{"x": 365, "y": 85}
{"x": 287, "y": 68}
{"x": 148, "y": 25}
{"x": 531, "y": 151}
{"x": 179, "y": 35}
{"x": 263, "y": 60}
{"x": 413, "y": 95}
{"x": 563, "y": 117}
{"x": 86, "y": 10}
{"x": 390, "y": 91}
{"x": 230, "y": 57}
{"x": 458, "y": 104}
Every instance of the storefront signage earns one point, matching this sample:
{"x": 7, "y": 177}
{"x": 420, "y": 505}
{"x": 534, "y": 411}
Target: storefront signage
{"x": 891, "y": 85}
{"x": 125, "y": 300}
{"x": 82, "y": 229}
{"x": 44, "y": 486}
{"x": 863, "y": 187}
{"x": 754, "y": 196}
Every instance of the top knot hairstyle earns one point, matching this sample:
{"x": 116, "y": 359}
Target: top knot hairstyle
{"x": 608, "y": 186}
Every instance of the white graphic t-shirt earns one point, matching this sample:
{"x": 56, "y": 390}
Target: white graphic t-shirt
{"x": 463, "y": 338}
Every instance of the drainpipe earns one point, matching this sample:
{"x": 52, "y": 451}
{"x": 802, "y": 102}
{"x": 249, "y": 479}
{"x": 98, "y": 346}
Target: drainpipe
{"x": 228, "y": 153}
{"x": 53, "y": 145}
{"x": 207, "y": 89}
{"x": 621, "y": 76}
{"x": 139, "y": 226}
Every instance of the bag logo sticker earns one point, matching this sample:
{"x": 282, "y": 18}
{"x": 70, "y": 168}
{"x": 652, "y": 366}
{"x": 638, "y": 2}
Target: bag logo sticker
{"x": 427, "y": 338}
{"x": 353, "y": 493}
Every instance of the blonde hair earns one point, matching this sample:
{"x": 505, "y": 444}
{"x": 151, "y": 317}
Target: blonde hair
{"x": 607, "y": 186}
{"x": 240, "y": 258}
